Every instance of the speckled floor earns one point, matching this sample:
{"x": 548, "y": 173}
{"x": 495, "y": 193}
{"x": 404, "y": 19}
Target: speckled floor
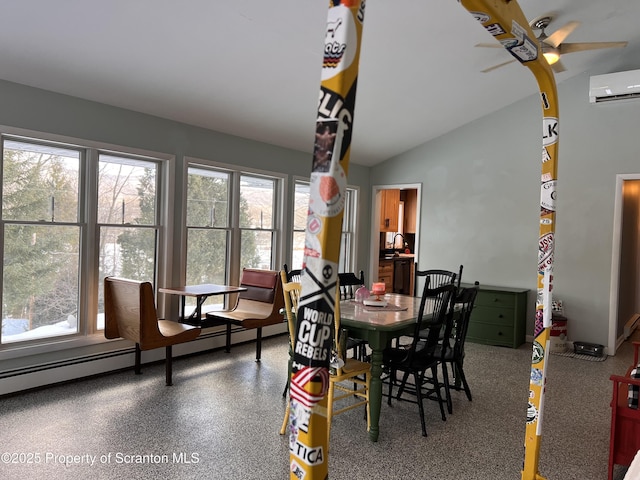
{"x": 220, "y": 420}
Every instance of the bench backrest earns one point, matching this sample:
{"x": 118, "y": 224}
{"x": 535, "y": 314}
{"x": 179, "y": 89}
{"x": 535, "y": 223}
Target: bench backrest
{"x": 260, "y": 284}
{"x": 130, "y": 310}
{"x": 263, "y": 295}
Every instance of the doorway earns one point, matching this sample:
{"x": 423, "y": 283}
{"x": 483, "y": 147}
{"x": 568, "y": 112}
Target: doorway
{"x": 414, "y": 190}
{"x": 624, "y": 297}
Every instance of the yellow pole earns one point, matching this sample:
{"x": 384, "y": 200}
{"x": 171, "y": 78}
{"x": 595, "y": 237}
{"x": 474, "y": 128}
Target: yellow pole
{"x": 506, "y": 22}
{"x": 308, "y": 439}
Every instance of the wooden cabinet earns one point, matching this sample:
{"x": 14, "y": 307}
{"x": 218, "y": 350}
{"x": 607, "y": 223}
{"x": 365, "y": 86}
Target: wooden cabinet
{"x": 385, "y": 274}
{"x": 499, "y": 316}
{"x": 389, "y": 203}
{"x": 410, "y": 209}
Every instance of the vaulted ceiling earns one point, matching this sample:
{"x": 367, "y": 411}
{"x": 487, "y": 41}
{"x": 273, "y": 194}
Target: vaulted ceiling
{"x": 252, "y": 67}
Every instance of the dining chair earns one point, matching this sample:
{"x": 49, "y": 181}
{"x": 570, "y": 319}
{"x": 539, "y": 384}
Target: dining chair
{"x": 349, "y": 284}
{"x": 452, "y": 351}
{"x": 349, "y": 370}
{"x": 291, "y": 293}
{"x": 291, "y": 275}
{"x": 130, "y": 313}
{"x": 436, "y": 277}
{"x": 352, "y": 370}
{"x": 435, "y": 314}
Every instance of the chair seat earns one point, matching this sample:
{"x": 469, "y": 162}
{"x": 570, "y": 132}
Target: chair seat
{"x": 351, "y": 367}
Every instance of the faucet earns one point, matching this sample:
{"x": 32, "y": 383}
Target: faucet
{"x": 404, "y": 242}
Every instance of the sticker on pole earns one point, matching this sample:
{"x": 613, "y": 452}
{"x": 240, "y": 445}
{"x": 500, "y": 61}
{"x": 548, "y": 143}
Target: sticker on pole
{"x": 340, "y": 42}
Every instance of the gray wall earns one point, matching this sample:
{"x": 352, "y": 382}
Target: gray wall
{"x": 43, "y": 111}
{"x": 481, "y": 190}
{"x": 50, "y": 113}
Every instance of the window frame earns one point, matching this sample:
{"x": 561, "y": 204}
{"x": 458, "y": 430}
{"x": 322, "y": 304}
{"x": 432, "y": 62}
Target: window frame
{"x": 233, "y": 269}
{"x": 350, "y": 218}
{"x": 88, "y": 333}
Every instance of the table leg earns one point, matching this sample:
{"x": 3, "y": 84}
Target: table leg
{"x": 377, "y": 345}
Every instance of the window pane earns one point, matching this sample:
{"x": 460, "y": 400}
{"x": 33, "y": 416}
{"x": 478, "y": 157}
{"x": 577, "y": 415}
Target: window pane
{"x": 126, "y": 191}
{"x": 301, "y": 206}
{"x": 206, "y": 263}
{"x": 125, "y": 252}
{"x": 40, "y": 281}
{"x": 40, "y": 183}
{"x": 128, "y": 252}
{"x": 256, "y": 250}
{"x": 207, "y": 198}
{"x": 256, "y": 202}
{"x": 207, "y": 256}
{"x": 298, "y": 250}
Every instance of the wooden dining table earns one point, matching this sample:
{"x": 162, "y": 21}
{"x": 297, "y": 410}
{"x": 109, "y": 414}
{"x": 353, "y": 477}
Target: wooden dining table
{"x": 201, "y": 293}
{"x": 378, "y": 326}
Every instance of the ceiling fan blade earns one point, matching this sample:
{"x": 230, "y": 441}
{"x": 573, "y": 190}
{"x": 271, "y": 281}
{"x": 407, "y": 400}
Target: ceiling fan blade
{"x": 558, "y": 67}
{"x": 557, "y": 37}
{"x": 581, "y": 47}
{"x": 489, "y": 45}
{"x": 487, "y": 70}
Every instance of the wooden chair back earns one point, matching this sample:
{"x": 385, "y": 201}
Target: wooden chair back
{"x": 130, "y": 312}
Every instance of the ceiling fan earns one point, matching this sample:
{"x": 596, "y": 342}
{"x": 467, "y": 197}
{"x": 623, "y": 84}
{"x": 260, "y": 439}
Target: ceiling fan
{"x": 552, "y": 46}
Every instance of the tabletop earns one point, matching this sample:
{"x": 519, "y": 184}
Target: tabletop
{"x": 354, "y": 314}
{"x": 207, "y": 289}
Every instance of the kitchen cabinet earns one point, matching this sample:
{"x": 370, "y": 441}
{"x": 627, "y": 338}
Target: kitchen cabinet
{"x": 385, "y": 274}
{"x": 410, "y": 209}
{"x": 390, "y": 201}
{"x": 499, "y": 316}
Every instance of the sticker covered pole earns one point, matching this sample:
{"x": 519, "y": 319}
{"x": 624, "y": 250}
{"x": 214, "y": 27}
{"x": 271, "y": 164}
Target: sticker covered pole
{"x": 505, "y": 21}
{"x": 308, "y": 431}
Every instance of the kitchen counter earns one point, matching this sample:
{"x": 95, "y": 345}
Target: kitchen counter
{"x": 398, "y": 256}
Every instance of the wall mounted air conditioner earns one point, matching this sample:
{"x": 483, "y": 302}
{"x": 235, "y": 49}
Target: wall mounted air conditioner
{"x": 614, "y": 86}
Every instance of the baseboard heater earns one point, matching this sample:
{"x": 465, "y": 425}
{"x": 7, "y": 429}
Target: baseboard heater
{"x": 631, "y": 325}
{"x": 59, "y": 371}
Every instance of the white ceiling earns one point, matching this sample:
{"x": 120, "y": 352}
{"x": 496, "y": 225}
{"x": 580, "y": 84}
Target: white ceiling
{"x": 252, "y": 67}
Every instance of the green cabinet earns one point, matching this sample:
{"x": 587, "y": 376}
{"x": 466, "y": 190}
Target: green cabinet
{"x": 499, "y": 316}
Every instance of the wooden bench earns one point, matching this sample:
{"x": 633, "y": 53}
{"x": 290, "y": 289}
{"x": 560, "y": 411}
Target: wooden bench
{"x": 130, "y": 313}
{"x": 259, "y": 306}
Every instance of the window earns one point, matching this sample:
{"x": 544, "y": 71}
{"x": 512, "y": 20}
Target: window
{"x": 41, "y": 241}
{"x": 57, "y": 240}
{"x": 127, "y": 221}
{"x": 232, "y": 223}
{"x": 208, "y": 231}
{"x": 349, "y": 222}
{"x": 257, "y": 232}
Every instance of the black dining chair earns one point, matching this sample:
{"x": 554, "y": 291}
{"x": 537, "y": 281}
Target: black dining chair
{"x": 436, "y": 277}
{"x": 436, "y": 307}
{"x": 452, "y": 352}
{"x": 292, "y": 275}
{"x": 349, "y": 283}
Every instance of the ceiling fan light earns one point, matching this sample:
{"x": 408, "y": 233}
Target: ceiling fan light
{"x": 552, "y": 55}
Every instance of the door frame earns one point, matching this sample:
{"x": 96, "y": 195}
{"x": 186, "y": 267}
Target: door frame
{"x": 613, "y": 341}
{"x": 375, "y": 222}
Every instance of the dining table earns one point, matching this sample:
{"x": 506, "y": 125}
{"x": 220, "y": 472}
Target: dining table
{"x": 378, "y": 325}
{"x": 201, "y": 292}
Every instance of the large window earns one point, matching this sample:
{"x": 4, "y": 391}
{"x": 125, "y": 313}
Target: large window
{"x": 41, "y": 233}
{"x": 232, "y": 222}
{"x": 349, "y": 222}
{"x": 70, "y": 216}
{"x": 127, "y": 220}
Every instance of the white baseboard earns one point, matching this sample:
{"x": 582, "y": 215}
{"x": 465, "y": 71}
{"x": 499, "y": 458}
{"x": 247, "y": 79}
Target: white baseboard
{"x": 36, "y": 376}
